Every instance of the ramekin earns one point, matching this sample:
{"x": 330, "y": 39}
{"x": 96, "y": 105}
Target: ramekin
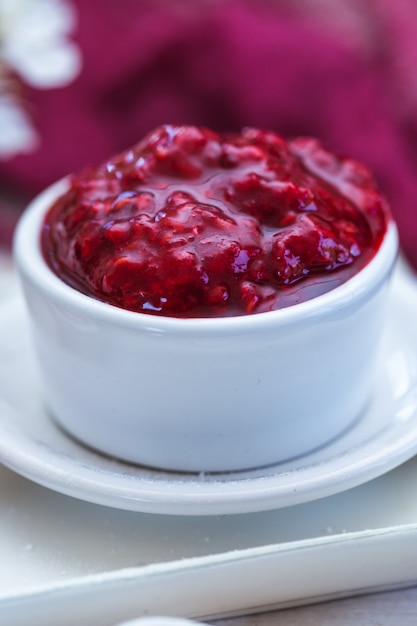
{"x": 203, "y": 395}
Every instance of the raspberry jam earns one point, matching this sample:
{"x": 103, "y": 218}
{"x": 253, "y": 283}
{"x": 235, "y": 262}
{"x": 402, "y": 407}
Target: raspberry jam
{"x": 189, "y": 223}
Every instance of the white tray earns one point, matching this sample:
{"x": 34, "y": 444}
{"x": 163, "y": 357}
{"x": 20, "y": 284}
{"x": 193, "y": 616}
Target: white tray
{"x": 66, "y": 562}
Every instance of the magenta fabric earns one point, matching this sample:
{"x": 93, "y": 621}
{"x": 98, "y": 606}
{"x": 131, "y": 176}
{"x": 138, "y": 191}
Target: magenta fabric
{"x": 278, "y": 65}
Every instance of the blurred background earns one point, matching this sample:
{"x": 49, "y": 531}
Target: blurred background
{"x": 81, "y": 80}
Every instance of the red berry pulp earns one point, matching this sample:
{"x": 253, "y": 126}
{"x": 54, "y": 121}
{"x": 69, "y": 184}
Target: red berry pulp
{"x": 190, "y": 223}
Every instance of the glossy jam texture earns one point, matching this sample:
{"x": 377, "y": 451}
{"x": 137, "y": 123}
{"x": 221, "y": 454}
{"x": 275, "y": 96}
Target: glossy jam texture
{"x": 189, "y": 223}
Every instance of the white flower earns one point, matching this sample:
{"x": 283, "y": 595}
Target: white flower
{"x": 34, "y": 41}
{"x": 34, "y": 46}
{"x": 17, "y": 133}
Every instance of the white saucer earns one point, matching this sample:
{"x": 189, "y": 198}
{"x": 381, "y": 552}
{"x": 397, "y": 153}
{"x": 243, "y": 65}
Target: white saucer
{"x": 385, "y": 436}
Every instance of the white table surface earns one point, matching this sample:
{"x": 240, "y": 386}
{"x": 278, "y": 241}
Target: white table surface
{"x": 395, "y": 607}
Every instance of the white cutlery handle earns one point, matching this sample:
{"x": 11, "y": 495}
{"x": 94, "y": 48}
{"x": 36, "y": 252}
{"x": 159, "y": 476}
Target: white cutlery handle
{"x": 159, "y": 621}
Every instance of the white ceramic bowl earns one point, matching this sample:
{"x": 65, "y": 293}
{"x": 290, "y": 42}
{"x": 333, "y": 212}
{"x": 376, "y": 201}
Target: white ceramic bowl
{"x": 203, "y": 394}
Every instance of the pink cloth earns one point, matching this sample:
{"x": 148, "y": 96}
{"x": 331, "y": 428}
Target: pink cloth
{"x": 346, "y": 76}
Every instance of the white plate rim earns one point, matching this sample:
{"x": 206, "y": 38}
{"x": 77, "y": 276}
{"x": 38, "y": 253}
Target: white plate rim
{"x": 72, "y": 469}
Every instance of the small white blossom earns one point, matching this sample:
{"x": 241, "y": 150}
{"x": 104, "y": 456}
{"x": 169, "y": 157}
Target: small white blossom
{"x": 34, "y": 41}
{"x": 17, "y": 133}
{"x": 34, "y": 46}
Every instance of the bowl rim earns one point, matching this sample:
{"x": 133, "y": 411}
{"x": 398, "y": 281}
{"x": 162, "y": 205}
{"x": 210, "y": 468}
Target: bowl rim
{"x": 32, "y": 267}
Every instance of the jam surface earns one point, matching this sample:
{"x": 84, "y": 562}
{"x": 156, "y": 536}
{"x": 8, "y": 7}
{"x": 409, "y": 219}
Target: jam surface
{"x": 189, "y": 223}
